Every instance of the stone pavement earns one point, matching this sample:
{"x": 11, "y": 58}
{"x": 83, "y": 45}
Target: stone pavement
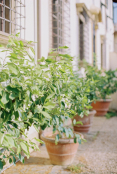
{"x": 97, "y": 156}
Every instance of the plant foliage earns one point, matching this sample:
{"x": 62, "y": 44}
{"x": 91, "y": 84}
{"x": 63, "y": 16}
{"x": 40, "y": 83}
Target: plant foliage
{"x": 36, "y": 95}
{"x": 106, "y": 81}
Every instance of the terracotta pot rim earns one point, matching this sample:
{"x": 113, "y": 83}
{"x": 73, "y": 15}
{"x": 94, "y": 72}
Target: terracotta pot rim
{"x": 61, "y": 141}
{"x": 83, "y": 126}
{"x": 104, "y": 100}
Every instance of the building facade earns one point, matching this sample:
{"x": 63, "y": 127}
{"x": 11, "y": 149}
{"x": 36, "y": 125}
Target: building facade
{"x": 85, "y": 26}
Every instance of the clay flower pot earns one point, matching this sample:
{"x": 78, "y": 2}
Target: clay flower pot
{"x": 64, "y": 152}
{"x": 86, "y": 120}
{"x": 101, "y": 106}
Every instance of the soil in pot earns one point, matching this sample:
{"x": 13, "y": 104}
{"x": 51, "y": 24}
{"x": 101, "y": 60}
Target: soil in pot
{"x": 86, "y": 120}
{"x": 101, "y": 107}
{"x": 63, "y": 153}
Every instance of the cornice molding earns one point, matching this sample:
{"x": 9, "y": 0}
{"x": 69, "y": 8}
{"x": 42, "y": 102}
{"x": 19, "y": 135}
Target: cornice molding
{"x": 80, "y": 7}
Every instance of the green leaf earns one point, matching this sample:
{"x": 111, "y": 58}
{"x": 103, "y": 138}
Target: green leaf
{"x": 21, "y": 158}
{"x": 1, "y": 165}
{"x": 64, "y": 47}
{"x": 38, "y": 109}
{"x": 49, "y": 60}
{"x": 29, "y": 115}
{"x": 36, "y": 127}
{"x": 67, "y": 132}
{"x": 11, "y": 89}
{"x": 13, "y": 68}
{"x": 5, "y": 98}
{"x": 1, "y": 137}
{"x": 21, "y": 43}
{"x": 32, "y": 49}
{"x": 49, "y": 105}
{"x": 56, "y": 139}
{"x": 40, "y": 141}
{"x": 65, "y": 55}
{"x": 74, "y": 121}
{"x": 13, "y": 55}
{"x": 75, "y": 140}
{"x": 9, "y": 140}
{"x": 10, "y": 160}
{"x": 12, "y": 96}
{"x": 14, "y": 160}
{"x": 79, "y": 122}
{"x": 79, "y": 140}
{"x": 2, "y": 105}
{"x": 18, "y": 149}
{"x": 25, "y": 148}
{"x": 46, "y": 114}
{"x": 41, "y": 60}
{"x": 50, "y": 96}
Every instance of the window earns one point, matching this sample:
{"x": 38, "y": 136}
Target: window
{"x": 12, "y": 17}
{"x": 60, "y": 23}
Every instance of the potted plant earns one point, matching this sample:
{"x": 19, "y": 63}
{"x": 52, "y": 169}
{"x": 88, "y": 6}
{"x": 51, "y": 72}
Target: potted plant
{"x": 82, "y": 95}
{"x": 106, "y": 85}
{"x": 63, "y": 142}
{"x": 22, "y": 92}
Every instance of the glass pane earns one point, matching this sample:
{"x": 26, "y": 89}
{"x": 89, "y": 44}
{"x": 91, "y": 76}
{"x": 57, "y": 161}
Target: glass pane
{"x": 7, "y": 13}
{"x": 1, "y": 25}
{"x": 55, "y": 31}
{"x": 54, "y": 23}
{"x": 1, "y": 11}
{"x": 7, "y": 3}
{"x": 7, "y": 27}
{"x": 55, "y": 40}
{"x": 55, "y": 46}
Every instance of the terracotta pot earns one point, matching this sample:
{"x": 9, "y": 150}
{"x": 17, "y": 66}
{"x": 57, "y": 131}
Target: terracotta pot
{"x": 101, "y": 106}
{"x": 86, "y": 120}
{"x": 63, "y": 153}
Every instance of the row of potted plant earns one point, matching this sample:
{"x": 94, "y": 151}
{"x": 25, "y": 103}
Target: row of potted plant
{"x": 44, "y": 95}
{"x": 105, "y": 86}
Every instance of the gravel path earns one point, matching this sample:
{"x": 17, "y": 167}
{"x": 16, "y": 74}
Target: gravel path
{"x": 97, "y": 156}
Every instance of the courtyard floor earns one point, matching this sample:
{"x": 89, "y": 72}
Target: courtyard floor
{"x": 96, "y": 156}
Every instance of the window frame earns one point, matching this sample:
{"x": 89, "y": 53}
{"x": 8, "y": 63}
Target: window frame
{"x": 65, "y": 29}
{"x": 4, "y": 36}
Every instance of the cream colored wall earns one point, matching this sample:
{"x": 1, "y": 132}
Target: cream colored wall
{"x": 74, "y": 29}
